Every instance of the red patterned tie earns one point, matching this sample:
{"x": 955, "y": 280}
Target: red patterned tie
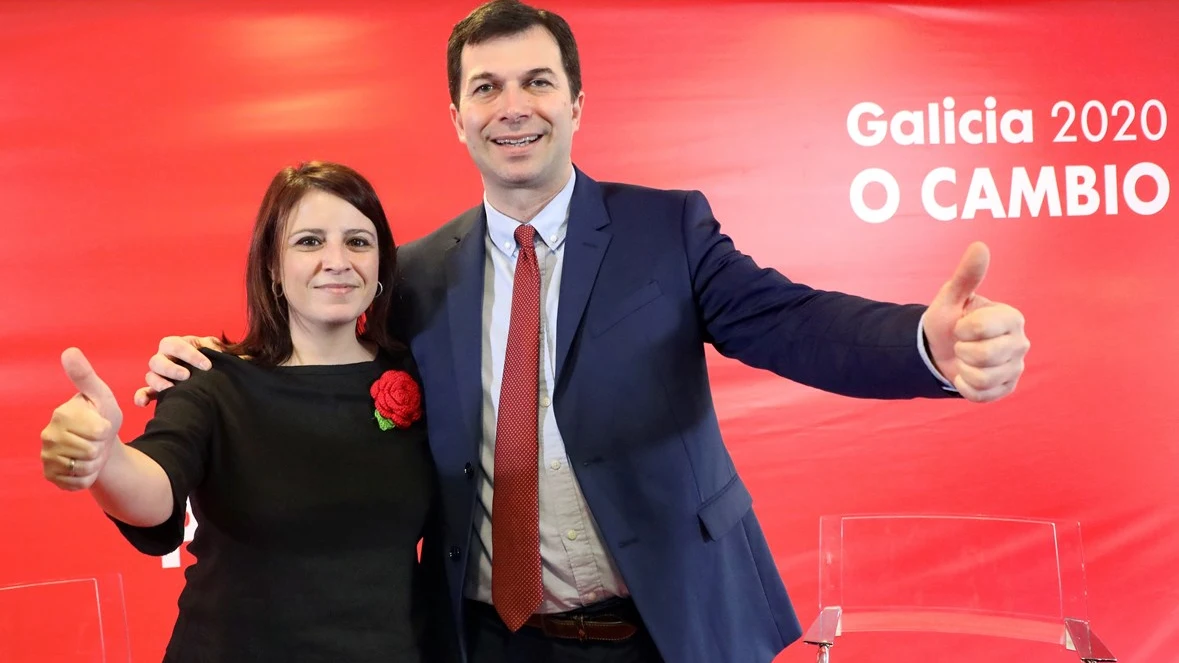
{"x": 516, "y": 588}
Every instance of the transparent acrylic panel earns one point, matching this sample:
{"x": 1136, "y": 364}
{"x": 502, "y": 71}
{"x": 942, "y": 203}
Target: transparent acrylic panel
{"x": 1013, "y": 578}
{"x": 78, "y": 620}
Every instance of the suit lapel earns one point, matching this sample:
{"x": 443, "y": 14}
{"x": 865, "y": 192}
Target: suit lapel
{"x": 464, "y": 303}
{"x": 585, "y": 245}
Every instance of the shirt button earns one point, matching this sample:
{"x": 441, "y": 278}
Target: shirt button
{"x": 556, "y": 464}
{"x": 507, "y": 246}
{"x": 552, "y": 238}
{"x": 572, "y": 534}
{"x": 544, "y": 401}
{"x": 591, "y": 597}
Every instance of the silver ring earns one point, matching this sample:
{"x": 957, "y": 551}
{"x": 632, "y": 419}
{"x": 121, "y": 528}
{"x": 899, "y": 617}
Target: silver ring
{"x": 72, "y": 461}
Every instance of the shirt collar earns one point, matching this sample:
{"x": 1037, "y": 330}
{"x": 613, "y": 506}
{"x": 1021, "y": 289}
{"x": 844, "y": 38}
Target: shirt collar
{"x": 551, "y": 222}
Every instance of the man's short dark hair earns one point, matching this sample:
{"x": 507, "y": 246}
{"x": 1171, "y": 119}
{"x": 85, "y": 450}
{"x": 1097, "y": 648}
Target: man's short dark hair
{"x": 505, "y": 18}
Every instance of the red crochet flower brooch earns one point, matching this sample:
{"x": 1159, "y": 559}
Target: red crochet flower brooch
{"x": 398, "y": 400}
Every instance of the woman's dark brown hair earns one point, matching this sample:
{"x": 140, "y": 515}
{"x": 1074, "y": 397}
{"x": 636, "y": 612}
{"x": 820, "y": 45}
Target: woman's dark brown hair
{"x": 268, "y": 335}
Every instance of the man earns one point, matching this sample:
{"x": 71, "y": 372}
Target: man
{"x": 590, "y": 508}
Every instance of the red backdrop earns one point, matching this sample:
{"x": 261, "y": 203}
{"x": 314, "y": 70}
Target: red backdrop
{"x": 137, "y": 139}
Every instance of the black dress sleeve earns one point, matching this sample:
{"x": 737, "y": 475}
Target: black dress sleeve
{"x": 177, "y": 438}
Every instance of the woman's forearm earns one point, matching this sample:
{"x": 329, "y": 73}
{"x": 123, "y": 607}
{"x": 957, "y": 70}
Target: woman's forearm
{"x": 133, "y": 488}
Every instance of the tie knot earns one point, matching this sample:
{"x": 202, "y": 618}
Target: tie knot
{"x": 526, "y": 236}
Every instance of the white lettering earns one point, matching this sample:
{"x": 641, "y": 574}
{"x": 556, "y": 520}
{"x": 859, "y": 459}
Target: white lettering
{"x": 1078, "y": 185}
{"x": 869, "y": 125}
{"x": 983, "y": 194}
{"x": 1153, "y": 171}
{"x": 892, "y": 193}
{"x": 916, "y": 132}
{"x": 929, "y": 194}
{"x": 1023, "y": 191}
{"x": 1083, "y": 194}
{"x": 876, "y": 128}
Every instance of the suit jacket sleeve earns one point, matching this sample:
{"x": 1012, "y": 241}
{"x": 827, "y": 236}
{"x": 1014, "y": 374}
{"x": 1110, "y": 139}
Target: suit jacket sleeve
{"x": 828, "y": 340}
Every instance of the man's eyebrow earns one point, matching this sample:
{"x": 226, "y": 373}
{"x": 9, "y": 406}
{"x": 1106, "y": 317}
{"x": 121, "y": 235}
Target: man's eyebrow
{"x": 536, "y": 71}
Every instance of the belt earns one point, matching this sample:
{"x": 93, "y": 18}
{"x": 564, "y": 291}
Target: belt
{"x": 606, "y": 626}
{"x": 612, "y": 620}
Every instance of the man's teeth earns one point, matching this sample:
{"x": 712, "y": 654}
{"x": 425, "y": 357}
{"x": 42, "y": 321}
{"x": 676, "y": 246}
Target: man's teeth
{"x": 517, "y": 143}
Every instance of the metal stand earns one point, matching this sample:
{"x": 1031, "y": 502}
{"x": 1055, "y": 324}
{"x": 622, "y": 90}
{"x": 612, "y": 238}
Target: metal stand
{"x": 1078, "y": 637}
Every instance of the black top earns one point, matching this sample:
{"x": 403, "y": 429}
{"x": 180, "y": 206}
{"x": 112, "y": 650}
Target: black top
{"x": 308, "y": 514}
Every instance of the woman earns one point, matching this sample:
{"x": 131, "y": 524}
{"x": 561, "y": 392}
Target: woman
{"x": 306, "y": 461}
